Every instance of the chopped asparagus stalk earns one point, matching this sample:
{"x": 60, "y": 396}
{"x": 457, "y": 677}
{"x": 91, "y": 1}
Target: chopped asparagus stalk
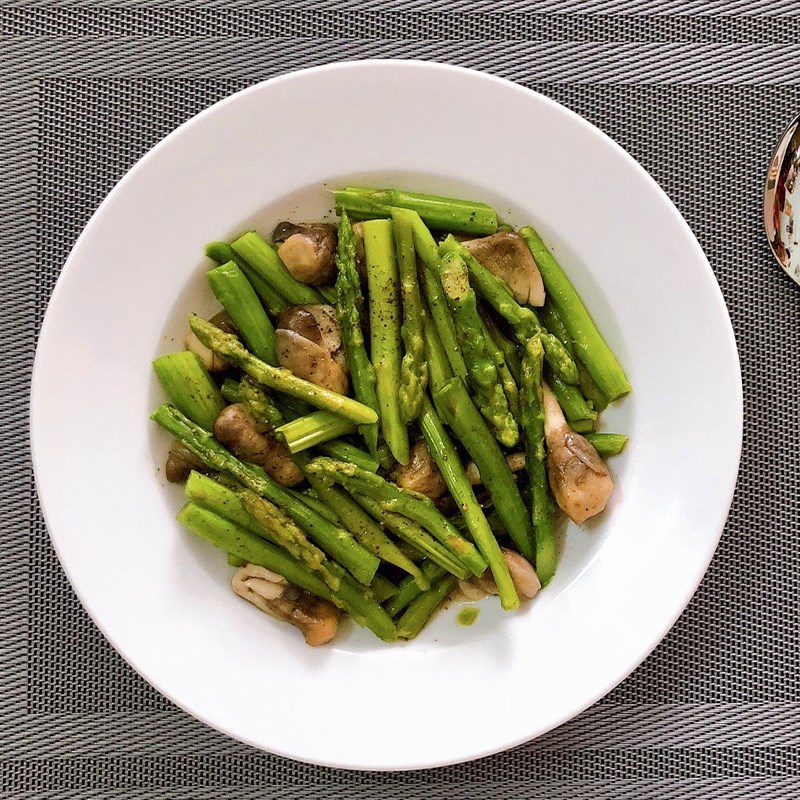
{"x": 190, "y": 387}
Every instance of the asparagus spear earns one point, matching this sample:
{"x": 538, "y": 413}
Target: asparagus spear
{"x": 190, "y": 387}
{"x": 408, "y": 591}
{"x": 261, "y": 407}
{"x": 421, "y": 610}
{"x": 313, "y": 429}
{"x": 504, "y": 374}
{"x": 235, "y": 561}
{"x": 506, "y": 347}
{"x": 582, "y": 425}
{"x": 572, "y": 401}
{"x": 533, "y": 423}
{"x": 264, "y": 260}
{"x": 455, "y": 408}
{"x": 417, "y": 507}
{"x": 481, "y": 369}
{"x": 383, "y": 589}
{"x": 366, "y": 531}
{"x": 336, "y": 542}
{"x": 442, "y": 213}
{"x": 349, "y": 304}
{"x": 238, "y": 298}
{"x": 589, "y": 345}
{"x": 342, "y": 451}
{"x": 222, "y": 253}
{"x": 384, "y": 321}
{"x": 413, "y": 371}
{"x": 276, "y": 377}
{"x": 607, "y": 444}
{"x": 413, "y": 535}
{"x": 521, "y": 318}
{"x": 235, "y": 540}
{"x": 447, "y": 459}
{"x": 310, "y": 499}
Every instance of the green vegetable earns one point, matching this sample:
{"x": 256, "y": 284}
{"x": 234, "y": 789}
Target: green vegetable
{"x": 421, "y": 610}
{"x": 308, "y": 497}
{"x": 349, "y": 306}
{"x": 384, "y": 323}
{"x": 382, "y": 589}
{"x": 413, "y": 371}
{"x": 222, "y": 252}
{"x": 533, "y": 424}
{"x": 230, "y": 537}
{"x": 447, "y": 459}
{"x": 336, "y": 542}
{"x": 507, "y": 347}
{"x": 467, "y": 615}
{"x": 589, "y": 345}
{"x": 238, "y": 298}
{"x": 442, "y": 213}
{"x": 342, "y": 451}
{"x": 235, "y": 561}
{"x": 365, "y": 530}
{"x": 504, "y": 373}
{"x": 408, "y": 591}
{"x": 608, "y": 444}
{"x": 313, "y": 429}
{"x": 414, "y": 506}
{"x": 521, "y": 318}
{"x": 414, "y": 536}
{"x": 264, "y": 260}
{"x": 276, "y": 377}
{"x": 582, "y": 426}
{"x": 482, "y": 374}
{"x": 261, "y": 407}
{"x": 572, "y": 401}
{"x": 190, "y": 387}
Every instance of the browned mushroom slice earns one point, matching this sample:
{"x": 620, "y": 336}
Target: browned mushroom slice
{"x": 180, "y": 462}
{"x": 317, "y": 619}
{"x": 308, "y": 251}
{"x": 309, "y": 343}
{"x": 421, "y": 473}
{"x": 506, "y": 255}
{"x": 579, "y": 478}
{"x": 516, "y": 462}
{"x": 248, "y": 440}
{"x": 209, "y": 359}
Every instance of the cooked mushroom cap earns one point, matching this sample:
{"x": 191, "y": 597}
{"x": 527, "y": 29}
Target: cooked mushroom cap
{"x": 523, "y": 576}
{"x": 507, "y": 256}
{"x": 209, "y": 359}
{"x": 309, "y": 343}
{"x": 516, "y": 462}
{"x": 248, "y": 440}
{"x": 180, "y": 462}
{"x": 578, "y": 476}
{"x": 308, "y": 251}
{"x": 421, "y": 473}
{"x": 317, "y": 619}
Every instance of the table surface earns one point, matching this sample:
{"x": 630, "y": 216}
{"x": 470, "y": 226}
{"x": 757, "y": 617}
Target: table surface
{"x": 698, "y": 93}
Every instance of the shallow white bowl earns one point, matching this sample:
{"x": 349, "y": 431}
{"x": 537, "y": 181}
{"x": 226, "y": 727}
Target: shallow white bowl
{"x": 163, "y": 598}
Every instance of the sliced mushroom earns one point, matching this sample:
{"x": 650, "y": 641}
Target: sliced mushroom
{"x": 180, "y": 462}
{"x": 506, "y": 255}
{"x": 210, "y": 360}
{"x": 309, "y": 343}
{"x": 421, "y": 473}
{"x": 579, "y": 478}
{"x": 248, "y": 440}
{"x": 317, "y": 619}
{"x": 516, "y": 462}
{"x": 523, "y": 576}
{"x": 308, "y": 251}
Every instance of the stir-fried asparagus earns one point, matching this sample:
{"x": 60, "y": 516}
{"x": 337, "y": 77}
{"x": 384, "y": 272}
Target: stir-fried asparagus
{"x": 408, "y": 590}
{"x": 239, "y": 299}
{"x": 441, "y": 213}
{"x": 235, "y": 540}
{"x": 278, "y": 378}
{"x": 416, "y": 507}
{"x": 589, "y": 345}
{"x": 260, "y": 405}
{"x": 447, "y": 459}
{"x": 504, "y": 372}
{"x": 521, "y": 318}
{"x": 336, "y": 542}
{"x": 349, "y": 307}
{"x": 607, "y": 444}
{"x": 313, "y": 429}
{"x": 190, "y": 387}
{"x": 264, "y": 260}
{"x": 413, "y": 371}
{"x": 222, "y": 253}
{"x": 533, "y": 424}
{"x": 384, "y": 325}
{"x": 344, "y": 451}
{"x": 482, "y": 374}
{"x": 421, "y": 610}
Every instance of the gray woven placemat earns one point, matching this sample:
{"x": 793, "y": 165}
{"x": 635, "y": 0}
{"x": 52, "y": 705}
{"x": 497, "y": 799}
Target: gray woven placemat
{"x": 697, "y": 92}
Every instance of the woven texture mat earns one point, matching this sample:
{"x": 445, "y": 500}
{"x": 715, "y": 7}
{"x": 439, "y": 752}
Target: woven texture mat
{"x": 698, "y": 93}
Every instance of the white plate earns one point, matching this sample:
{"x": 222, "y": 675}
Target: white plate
{"x": 163, "y": 598}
